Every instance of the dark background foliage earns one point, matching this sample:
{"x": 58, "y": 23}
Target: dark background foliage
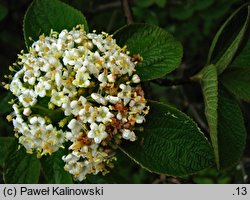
{"x": 193, "y": 22}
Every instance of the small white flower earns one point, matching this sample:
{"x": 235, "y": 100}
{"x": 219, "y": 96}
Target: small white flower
{"x": 96, "y": 132}
{"x": 74, "y": 126}
{"x": 70, "y": 57}
{"x": 42, "y": 87}
{"x": 28, "y": 98}
{"x": 88, "y": 114}
{"x": 27, "y": 111}
{"x": 139, "y": 119}
{"x": 103, "y": 79}
{"x": 99, "y": 98}
{"x": 125, "y": 94}
{"x": 16, "y": 87}
{"x": 113, "y": 99}
{"x": 104, "y": 115}
{"x": 37, "y": 121}
{"x": 58, "y": 98}
{"x": 82, "y": 78}
{"x": 66, "y": 107}
{"x": 19, "y": 124}
{"x": 136, "y": 79}
{"x": 16, "y": 109}
{"x": 128, "y": 135}
{"x": 111, "y": 78}
{"x": 58, "y": 79}
{"x": 121, "y": 117}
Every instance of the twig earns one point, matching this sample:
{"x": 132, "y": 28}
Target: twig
{"x": 161, "y": 179}
{"x": 194, "y": 112}
{"x": 112, "y": 20}
{"x": 127, "y": 11}
{"x": 105, "y": 7}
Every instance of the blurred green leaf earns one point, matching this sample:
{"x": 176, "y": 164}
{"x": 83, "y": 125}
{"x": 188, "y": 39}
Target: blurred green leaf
{"x": 225, "y": 44}
{"x": 21, "y": 167}
{"x": 209, "y": 85}
{"x": 243, "y": 59}
{"x": 147, "y": 3}
{"x": 161, "y": 3}
{"x": 218, "y": 10}
{"x": 144, "y": 3}
{"x": 203, "y": 180}
{"x": 3, "y": 12}
{"x": 231, "y": 130}
{"x": 145, "y": 15}
{"x": 202, "y": 4}
{"x": 44, "y": 15}
{"x": 5, "y": 144}
{"x": 160, "y": 51}
{"x": 4, "y": 105}
{"x": 53, "y": 168}
{"x": 182, "y": 12}
{"x": 171, "y": 143}
{"x": 237, "y": 81}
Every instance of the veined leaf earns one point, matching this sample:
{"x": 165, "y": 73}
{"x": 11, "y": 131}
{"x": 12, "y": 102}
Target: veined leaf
{"x": 44, "y": 15}
{"x": 53, "y": 168}
{"x": 160, "y": 51}
{"x": 243, "y": 59}
{"x": 5, "y": 144}
{"x": 209, "y": 85}
{"x": 21, "y": 167}
{"x": 171, "y": 143}
{"x": 4, "y": 105}
{"x": 226, "y": 43}
{"x": 231, "y": 130}
{"x": 237, "y": 81}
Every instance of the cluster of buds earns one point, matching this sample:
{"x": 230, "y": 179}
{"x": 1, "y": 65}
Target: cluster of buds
{"x": 77, "y": 90}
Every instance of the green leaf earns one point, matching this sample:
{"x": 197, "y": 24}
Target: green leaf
{"x": 243, "y": 59}
{"x": 4, "y": 105}
{"x": 44, "y": 15}
{"x": 182, "y": 12}
{"x": 5, "y": 144}
{"x": 53, "y": 168}
{"x": 171, "y": 143}
{"x": 202, "y": 4}
{"x": 3, "y": 12}
{"x": 144, "y": 3}
{"x": 21, "y": 167}
{"x": 231, "y": 130}
{"x": 209, "y": 84}
{"x": 226, "y": 43}
{"x": 145, "y": 15}
{"x": 161, "y": 3}
{"x": 161, "y": 52}
{"x": 237, "y": 81}
{"x": 148, "y": 3}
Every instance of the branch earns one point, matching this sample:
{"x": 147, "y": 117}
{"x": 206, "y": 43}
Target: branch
{"x": 127, "y": 11}
{"x": 194, "y": 112}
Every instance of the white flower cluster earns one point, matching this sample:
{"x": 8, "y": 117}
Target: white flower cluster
{"x": 78, "y": 89}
